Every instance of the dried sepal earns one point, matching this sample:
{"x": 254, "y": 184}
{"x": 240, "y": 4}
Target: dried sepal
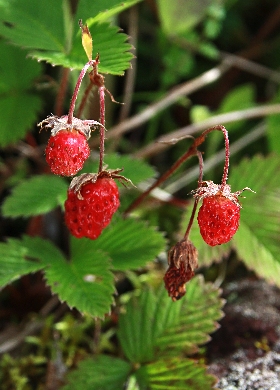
{"x": 78, "y": 181}
{"x": 209, "y": 188}
{"x": 182, "y": 260}
{"x": 58, "y": 123}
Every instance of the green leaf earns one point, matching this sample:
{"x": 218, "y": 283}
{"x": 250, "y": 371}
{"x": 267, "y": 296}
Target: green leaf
{"x": 53, "y": 35}
{"x": 273, "y": 133}
{"x": 239, "y": 98}
{"x": 134, "y": 169}
{"x": 102, "y": 9}
{"x": 85, "y": 282}
{"x": 107, "y": 41}
{"x": 14, "y": 262}
{"x": 201, "y": 308}
{"x": 153, "y": 325}
{"x": 179, "y": 16}
{"x": 129, "y": 243}
{"x": 34, "y": 196}
{"x": 19, "y": 106}
{"x": 175, "y": 374}
{"x": 257, "y": 240}
{"x": 103, "y": 372}
{"x": 32, "y": 24}
{"x": 20, "y": 257}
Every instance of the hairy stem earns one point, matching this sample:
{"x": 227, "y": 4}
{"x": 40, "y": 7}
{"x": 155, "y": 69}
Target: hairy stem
{"x": 201, "y": 165}
{"x": 76, "y": 90}
{"x": 101, "y": 128}
{"x": 190, "y": 152}
{"x": 227, "y": 152}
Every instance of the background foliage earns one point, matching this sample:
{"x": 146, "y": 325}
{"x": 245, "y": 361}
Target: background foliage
{"x": 99, "y": 306}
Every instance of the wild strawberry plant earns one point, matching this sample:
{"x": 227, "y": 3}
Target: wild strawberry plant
{"x": 112, "y": 233}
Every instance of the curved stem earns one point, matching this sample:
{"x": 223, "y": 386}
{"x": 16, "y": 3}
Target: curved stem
{"x": 227, "y": 152}
{"x": 76, "y": 90}
{"x": 190, "y": 152}
{"x": 201, "y": 165}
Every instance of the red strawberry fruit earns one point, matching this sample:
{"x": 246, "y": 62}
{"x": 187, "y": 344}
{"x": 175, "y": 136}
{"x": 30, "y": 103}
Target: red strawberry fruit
{"x": 67, "y": 151}
{"x": 218, "y": 219}
{"x": 89, "y": 206}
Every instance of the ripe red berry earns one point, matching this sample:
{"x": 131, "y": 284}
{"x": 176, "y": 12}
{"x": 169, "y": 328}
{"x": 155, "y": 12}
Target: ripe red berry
{"x": 89, "y": 210}
{"x": 66, "y": 152}
{"x": 218, "y": 219}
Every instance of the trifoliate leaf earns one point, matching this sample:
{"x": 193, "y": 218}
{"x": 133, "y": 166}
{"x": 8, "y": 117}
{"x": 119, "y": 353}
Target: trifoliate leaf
{"x": 130, "y": 244}
{"x": 34, "y": 196}
{"x": 19, "y": 106}
{"x": 175, "y": 374}
{"x": 20, "y": 257}
{"x": 103, "y": 372}
{"x": 154, "y": 326}
{"x": 85, "y": 281}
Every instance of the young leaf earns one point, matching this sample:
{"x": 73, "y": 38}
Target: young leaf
{"x": 174, "y": 374}
{"x": 19, "y": 106}
{"x": 84, "y": 282}
{"x": 34, "y": 196}
{"x": 154, "y": 326}
{"x": 129, "y": 243}
{"x": 102, "y": 372}
{"x": 20, "y": 257}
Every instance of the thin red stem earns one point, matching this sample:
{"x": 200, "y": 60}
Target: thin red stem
{"x": 102, "y": 127}
{"x": 76, "y": 90}
{"x": 200, "y": 159}
{"x": 190, "y": 152}
{"x": 227, "y": 152}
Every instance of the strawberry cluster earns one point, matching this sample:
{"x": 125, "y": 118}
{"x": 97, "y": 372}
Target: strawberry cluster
{"x": 92, "y": 199}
